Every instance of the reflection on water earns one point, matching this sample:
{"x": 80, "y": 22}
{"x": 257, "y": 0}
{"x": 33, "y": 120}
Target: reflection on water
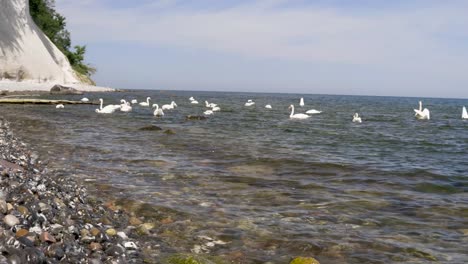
{"x": 392, "y": 189}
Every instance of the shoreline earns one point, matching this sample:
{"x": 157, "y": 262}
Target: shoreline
{"x": 10, "y": 87}
{"x": 50, "y": 218}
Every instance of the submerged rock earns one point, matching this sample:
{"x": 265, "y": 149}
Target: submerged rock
{"x": 151, "y": 128}
{"x": 195, "y": 117}
{"x": 303, "y": 260}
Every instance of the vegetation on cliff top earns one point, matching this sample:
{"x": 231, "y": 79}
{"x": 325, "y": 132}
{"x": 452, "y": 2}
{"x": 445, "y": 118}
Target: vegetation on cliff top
{"x": 54, "y": 26}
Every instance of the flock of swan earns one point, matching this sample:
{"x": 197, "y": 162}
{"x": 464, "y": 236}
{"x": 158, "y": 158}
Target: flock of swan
{"x": 125, "y": 106}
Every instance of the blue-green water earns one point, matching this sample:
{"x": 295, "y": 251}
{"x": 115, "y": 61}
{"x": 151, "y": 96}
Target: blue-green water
{"x": 391, "y": 189}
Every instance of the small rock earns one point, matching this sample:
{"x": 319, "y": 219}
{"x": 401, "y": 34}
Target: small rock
{"x": 3, "y": 207}
{"x": 23, "y": 210}
{"x": 94, "y": 231}
{"x": 134, "y": 221}
{"x": 44, "y": 207}
{"x": 122, "y": 235}
{"x": 95, "y": 246}
{"x": 130, "y": 245}
{"x": 35, "y": 229}
{"x": 55, "y": 251}
{"x": 21, "y": 233}
{"x": 144, "y": 229}
{"x": 11, "y": 220}
{"x": 9, "y": 207}
{"x": 46, "y": 237}
{"x": 84, "y": 232}
{"x": 111, "y": 232}
{"x": 115, "y": 251}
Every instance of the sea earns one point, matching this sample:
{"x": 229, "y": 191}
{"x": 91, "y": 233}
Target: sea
{"x": 267, "y": 188}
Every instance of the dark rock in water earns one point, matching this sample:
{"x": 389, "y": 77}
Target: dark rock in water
{"x": 195, "y": 117}
{"x": 151, "y": 128}
{"x": 169, "y": 132}
{"x": 60, "y": 89}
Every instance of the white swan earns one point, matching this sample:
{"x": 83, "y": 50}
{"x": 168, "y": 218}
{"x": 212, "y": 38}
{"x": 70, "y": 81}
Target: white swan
{"x": 301, "y": 102}
{"x": 208, "y": 112}
{"x": 84, "y": 100}
{"x": 125, "y": 106}
{"x": 422, "y": 114}
{"x": 194, "y": 102}
{"x": 210, "y": 105}
{"x": 169, "y": 106}
{"x": 59, "y": 106}
{"x": 134, "y": 101}
{"x": 191, "y": 98}
{"x": 249, "y": 103}
{"x": 464, "y": 113}
{"x": 313, "y": 111}
{"x": 268, "y": 106}
{"x": 216, "y": 109}
{"x": 356, "y": 118}
{"x": 146, "y": 103}
{"x": 109, "y": 109}
{"x": 158, "y": 111}
{"x": 297, "y": 116}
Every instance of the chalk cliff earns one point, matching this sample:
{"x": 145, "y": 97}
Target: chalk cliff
{"x": 27, "y": 54}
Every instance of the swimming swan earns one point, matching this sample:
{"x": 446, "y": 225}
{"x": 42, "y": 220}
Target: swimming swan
{"x": 422, "y": 114}
{"x": 301, "y": 103}
{"x": 268, "y": 106}
{"x": 464, "y": 113}
{"x": 210, "y": 105}
{"x": 109, "y": 109}
{"x": 356, "y": 118}
{"x": 297, "y": 116}
{"x": 194, "y": 102}
{"x": 146, "y": 103}
{"x": 169, "y": 106}
{"x": 249, "y": 103}
{"x": 59, "y": 106}
{"x": 208, "y": 112}
{"x": 313, "y": 111}
{"x": 134, "y": 101}
{"x": 84, "y": 99}
{"x": 158, "y": 111}
{"x": 125, "y": 106}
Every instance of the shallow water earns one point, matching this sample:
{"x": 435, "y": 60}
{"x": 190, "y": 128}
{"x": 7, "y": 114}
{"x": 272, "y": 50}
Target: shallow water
{"x": 392, "y": 189}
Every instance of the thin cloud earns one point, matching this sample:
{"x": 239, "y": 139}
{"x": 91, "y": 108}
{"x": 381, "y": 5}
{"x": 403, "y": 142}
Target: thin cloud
{"x": 425, "y": 39}
{"x": 261, "y": 29}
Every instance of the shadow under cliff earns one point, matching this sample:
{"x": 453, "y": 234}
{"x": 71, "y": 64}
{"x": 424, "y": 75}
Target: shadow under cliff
{"x": 12, "y": 26}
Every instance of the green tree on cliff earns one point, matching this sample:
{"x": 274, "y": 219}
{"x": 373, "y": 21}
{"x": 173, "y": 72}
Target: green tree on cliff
{"x": 54, "y": 26}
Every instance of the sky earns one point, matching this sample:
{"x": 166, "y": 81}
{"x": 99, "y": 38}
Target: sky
{"x": 358, "y": 47}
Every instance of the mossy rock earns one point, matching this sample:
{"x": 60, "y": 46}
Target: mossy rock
{"x": 420, "y": 254}
{"x": 191, "y": 259}
{"x": 303, "y": 260}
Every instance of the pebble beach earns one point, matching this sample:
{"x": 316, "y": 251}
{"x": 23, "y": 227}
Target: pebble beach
{"x": 50, "y": 218}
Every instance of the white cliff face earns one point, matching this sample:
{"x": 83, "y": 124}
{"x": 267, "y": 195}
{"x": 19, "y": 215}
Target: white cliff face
{"x": 26, "y": 53}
